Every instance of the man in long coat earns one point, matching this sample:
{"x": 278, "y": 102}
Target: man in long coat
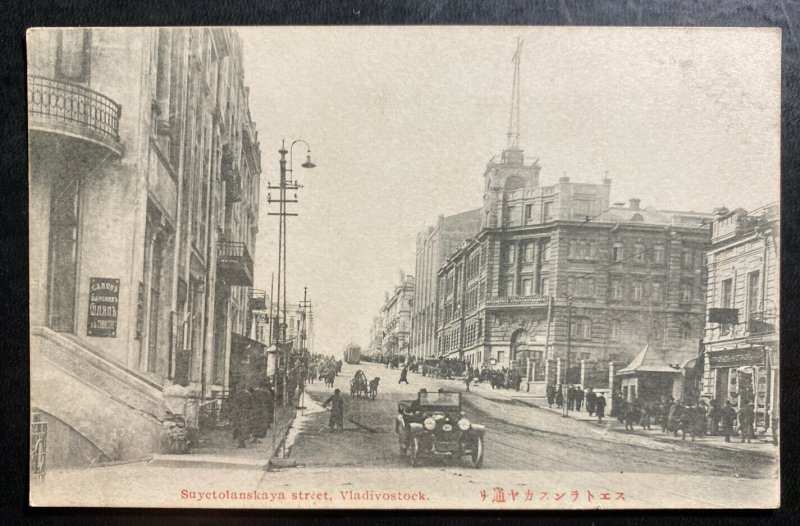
{"x": 337, "y": 410}
{"x": 600, "y": 408}
{"x": 591, "y": 398}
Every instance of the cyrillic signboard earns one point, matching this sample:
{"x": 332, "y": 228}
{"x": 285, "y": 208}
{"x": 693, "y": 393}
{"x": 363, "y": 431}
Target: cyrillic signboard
{"x": 737, "y": 357}
{"x": 103, "y": 307}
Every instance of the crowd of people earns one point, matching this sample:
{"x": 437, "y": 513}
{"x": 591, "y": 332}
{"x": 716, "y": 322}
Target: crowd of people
{"x": 694, "y": 419}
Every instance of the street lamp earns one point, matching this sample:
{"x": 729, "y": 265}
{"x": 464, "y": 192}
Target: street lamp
{"x": 283, "y": 186}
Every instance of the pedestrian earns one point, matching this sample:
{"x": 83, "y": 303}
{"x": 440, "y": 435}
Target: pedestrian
{"x": 600, "y": 407}
{"x": 666, "y": 408}
{"x": 570, "y": 398}
{"x": 467, "y": 380}
{"x": 241, "y": 405}
{"x": 337, "y": 410}
{"x": 727, "y": 416}
{"x": 403, "y": 376}
{"x": 747, "y": 419}
{"x": 673, "y": 417}
{"x": 631, "y": 415}
{"x": 646, "y": 415}
{"x": 578, "y": 398}
{"x": 550, "y": 393}
{"x": 560, "y": 396}
{"x": 687, "y": 421}
{"x": 700, "y": 424}
{"x": 713, "y": 417}
{"x": 591, "y": 399}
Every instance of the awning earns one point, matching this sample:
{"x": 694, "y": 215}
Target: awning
{"x": 648, "y": 361}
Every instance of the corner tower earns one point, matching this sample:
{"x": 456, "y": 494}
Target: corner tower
{"x": 508, "y": 173}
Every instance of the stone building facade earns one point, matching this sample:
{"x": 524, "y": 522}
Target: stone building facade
{"x": 434, "y": 244}
{"x": 144, "y": 186}
{"x": 396, "y": 318}
{"x": 741, "y": 347}
{"x": 625, "y": 276}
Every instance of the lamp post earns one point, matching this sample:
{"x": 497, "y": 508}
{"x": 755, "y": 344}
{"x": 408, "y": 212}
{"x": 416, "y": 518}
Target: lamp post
{"x": 282, "y": 200}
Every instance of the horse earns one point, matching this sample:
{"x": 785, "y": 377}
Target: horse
{"x": 373, "y": 387}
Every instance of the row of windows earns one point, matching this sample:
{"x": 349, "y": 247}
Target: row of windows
{"x": 528, "y": 253}
{"x": 581, "y": 329}
{"x": 526, "y": 288}
{"x": 450, "y": 341}
{"x": 473, "y": 332}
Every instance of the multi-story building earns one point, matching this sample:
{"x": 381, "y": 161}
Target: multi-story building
{"x": 396, "y": 318}
{"x": 624, "y": 276}
{"x": 375, "y": 347}
{"x": 434, "y": 244}
{"x": 740, "y": 347}
{"x": 144, "y": 181}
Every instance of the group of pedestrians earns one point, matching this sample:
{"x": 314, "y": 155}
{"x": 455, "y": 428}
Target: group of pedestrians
{"x": 251, "y": 408}
{"x": 595, "y": 404}
{"x": 705, "y": 418}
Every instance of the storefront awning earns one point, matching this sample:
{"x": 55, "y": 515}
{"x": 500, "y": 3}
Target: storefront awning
{"x": 648, "y": 361}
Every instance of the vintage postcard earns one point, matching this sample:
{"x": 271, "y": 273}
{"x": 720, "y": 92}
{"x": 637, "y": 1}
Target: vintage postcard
{"x": 512, "y": 268}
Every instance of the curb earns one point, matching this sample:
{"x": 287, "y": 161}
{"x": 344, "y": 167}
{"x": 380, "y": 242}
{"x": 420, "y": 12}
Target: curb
{"x": 186, "y": 461}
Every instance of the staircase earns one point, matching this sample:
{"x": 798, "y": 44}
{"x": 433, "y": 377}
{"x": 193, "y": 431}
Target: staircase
{"x": 101, "y": 406}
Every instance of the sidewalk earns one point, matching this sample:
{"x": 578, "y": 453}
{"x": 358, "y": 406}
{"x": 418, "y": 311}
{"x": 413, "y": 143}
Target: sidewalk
{"x": 218, "y": 450}
{"x": 762, "y": 444}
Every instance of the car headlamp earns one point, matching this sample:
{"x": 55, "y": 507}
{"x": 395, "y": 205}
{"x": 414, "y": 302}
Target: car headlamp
{"x": 430, "y": 424}
{"x": 463, "y": 424}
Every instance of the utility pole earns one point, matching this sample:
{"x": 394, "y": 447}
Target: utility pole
{"x": 304, "y": 306}
{"x": 564, "y": 386}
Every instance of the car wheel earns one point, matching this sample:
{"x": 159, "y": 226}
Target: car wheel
{"x": 477, "y": 453}
{"x": 415, "y": 452}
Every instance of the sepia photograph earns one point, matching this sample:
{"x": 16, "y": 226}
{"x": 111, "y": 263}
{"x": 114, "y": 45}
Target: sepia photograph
{"x": 513, "y": 267}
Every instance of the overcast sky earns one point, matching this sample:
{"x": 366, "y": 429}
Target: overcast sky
{"x": 402, "y": 122}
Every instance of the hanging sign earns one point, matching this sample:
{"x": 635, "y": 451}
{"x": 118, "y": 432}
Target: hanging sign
{"x": 103, "y": 307}
{"x": 737, "y": 357}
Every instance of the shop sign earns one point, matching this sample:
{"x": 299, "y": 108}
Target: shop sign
{"x": 103, "y": 307}
{"x": 737, "y": 357}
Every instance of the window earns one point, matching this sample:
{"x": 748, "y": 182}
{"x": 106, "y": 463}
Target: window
{"x": 637, "y": 291}
{"x": 581, "y": 287}
{"x": 510, "y": 287}
{"x": 74, "y": 51}
{"x": 545, "y": 287}
{"x": 528, "y": 212}
{"x": 617, "y": 251}
{"x": 501, "y": 356}
{"x": 546, "y": 252}
{"x": 526, "y": 287}
{"x": 511, "y": 215}
{"x": 511, "y": 254}
{"x": 686, "y": 331}
{"x": 753, "y": 283}
{"x": 658, "y": 254}
{"x": 616, "y": 289}
{"x": 529, "y": 252}
{"x": 725, "y": 297}
{"x": 582, "y": 328}
{"x": 686, "y": 293}
{"x": 687, "y": 258}
{"x": 638, "y": 253}
{"x": 656, "y": 292}
{"x": 614, "y": 329}
{"x": 581, "y": 209}
{"x": 547, "y": 212}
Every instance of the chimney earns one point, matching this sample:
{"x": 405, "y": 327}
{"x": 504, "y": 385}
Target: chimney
{"x": 635, "y": 203}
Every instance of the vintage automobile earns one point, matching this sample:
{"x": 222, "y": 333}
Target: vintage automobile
{"x": 434, "y": 426}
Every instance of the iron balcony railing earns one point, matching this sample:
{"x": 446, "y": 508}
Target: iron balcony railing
{"x": 258, "y": 299}
{"x": 59, "y": 103}
{"x": 234, "y": 263}
{"x": 518, "y": 301}
{"x": 761, "y": 322}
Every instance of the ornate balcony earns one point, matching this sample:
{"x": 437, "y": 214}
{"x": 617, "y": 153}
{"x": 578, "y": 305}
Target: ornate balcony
{"x": 258, "y": 299}
{"x": 234, "y": 264}
{"x": 72, "y": 110}
{"x": 518, "y": 301}
{"x": 231, "y": 174}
